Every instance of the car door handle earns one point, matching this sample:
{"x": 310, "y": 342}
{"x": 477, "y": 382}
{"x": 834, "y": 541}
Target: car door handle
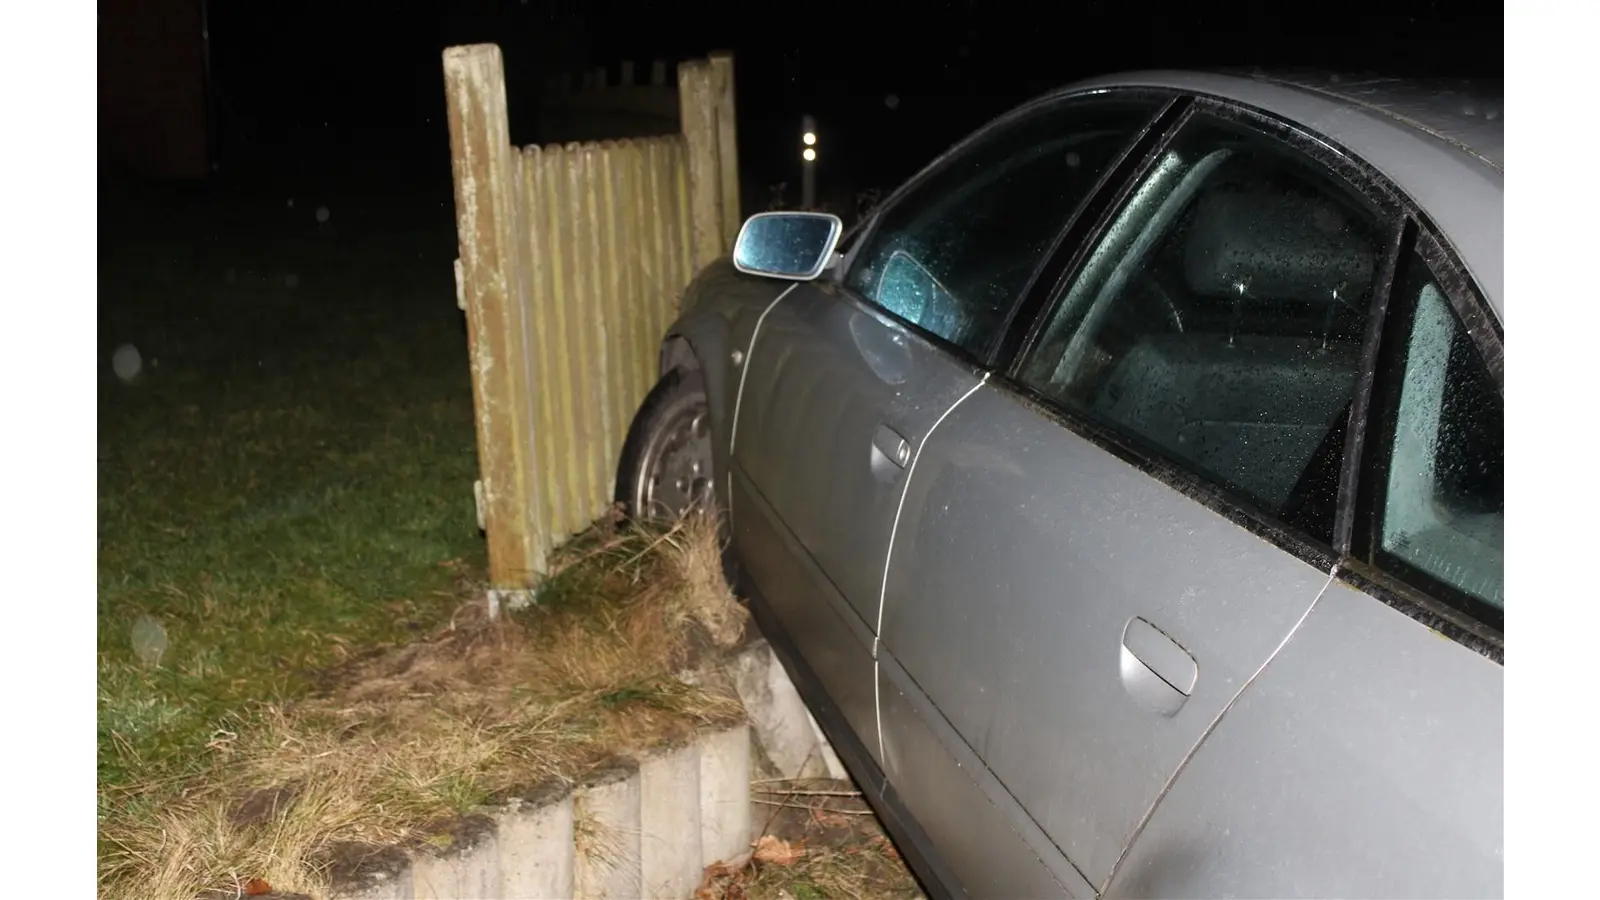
{"x": 893, "y": 447}
{"x": 1157, "y": 672}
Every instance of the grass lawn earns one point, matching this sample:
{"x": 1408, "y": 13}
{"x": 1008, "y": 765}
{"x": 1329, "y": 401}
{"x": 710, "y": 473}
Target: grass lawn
{"x": 289, "y": 478}
{"x": 287, "y": 485}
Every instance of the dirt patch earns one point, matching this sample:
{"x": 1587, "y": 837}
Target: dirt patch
{"x": 359, "y": 865}
{"x": 261, "y": 805}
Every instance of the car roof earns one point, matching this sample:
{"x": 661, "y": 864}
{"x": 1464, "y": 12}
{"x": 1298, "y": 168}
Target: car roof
{"x": 1441, "y": 143}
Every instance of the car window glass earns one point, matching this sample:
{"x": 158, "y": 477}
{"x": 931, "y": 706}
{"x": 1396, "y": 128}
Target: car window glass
{"x": 1219, "y": 320}
{"x": 951, "y": 256}
{"x": 1444, "y": 508}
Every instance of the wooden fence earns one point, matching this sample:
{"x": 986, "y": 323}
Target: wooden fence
{"x": 573, "y": 259}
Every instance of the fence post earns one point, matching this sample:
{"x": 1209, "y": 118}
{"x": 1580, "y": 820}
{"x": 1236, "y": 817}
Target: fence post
{"x": 697, "y": 108}
{"x": 727, "y": 146}
{"x": 494, "y": 286}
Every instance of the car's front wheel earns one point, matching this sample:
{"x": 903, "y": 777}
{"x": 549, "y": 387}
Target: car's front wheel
{"x": 665, "y": 469}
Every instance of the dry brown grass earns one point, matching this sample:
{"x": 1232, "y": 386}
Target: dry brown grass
{"x": 871, "y": 870}
{"x": 404, "y": 740}
{"x": 819, "y": 840}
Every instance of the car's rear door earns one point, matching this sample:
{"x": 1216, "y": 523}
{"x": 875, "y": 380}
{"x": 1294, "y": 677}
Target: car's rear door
{"x": 1098, "y": 550}
{"x": 847, "y": 377}
{"x": 1367, "y": 760}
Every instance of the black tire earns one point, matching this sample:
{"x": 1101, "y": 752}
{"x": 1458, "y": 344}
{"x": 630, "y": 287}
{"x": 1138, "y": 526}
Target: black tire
{"x": 678, "y": 390}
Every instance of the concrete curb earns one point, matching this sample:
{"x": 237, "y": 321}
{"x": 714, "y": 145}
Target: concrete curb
{"x": 637, "y": 829}
{"x": 531, "y": 861}
{"x": 606, "y": 848}
{"x": 782, "y": 724}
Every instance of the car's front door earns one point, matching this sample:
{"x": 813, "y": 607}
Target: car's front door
{"x": 848, "y": 377}
{"x": 1098, "y": 551}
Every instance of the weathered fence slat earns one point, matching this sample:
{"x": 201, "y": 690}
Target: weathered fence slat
{"x": 696, "y": 97}
{"x": 727, "y": 146}
{"x": 494, "y": 286}
{"x": 548, "y": 423}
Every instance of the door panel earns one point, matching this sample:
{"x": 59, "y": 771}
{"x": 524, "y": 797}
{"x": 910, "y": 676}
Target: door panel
{"x": 1023, "y": 554}
{"x": 987, "y": 840}
{"x": 837, "y": 644}
{"x": 831, "y": 393}
{"x": 827, "y": 380}
{"x": 1366, "y": 761}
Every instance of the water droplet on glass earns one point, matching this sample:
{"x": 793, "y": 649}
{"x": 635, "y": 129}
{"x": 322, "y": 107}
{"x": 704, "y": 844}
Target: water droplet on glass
{"x": 323, "y": 214}
{"x": 291, "y": 280}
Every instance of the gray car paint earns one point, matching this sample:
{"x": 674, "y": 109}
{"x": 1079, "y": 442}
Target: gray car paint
{"x": 986, "y": 838}
{"x": 1457, "y": 110}
{"x": 823, "y": 379}
{"x": 721, "y": 308}
{"x": 1365, "y": 762}
{"x": 1023, "y": 553}
{"x": 1290, "y": 821}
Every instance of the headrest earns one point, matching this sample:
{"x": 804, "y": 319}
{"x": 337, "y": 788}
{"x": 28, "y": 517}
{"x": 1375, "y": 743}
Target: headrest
{"x": 1281, "y": 247}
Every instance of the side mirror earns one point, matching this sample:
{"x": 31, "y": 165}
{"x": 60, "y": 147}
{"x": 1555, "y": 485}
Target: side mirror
{"x": 797, "y": 246}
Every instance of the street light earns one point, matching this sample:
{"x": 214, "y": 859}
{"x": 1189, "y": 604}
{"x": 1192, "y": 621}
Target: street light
{"x": 808, "y": 157}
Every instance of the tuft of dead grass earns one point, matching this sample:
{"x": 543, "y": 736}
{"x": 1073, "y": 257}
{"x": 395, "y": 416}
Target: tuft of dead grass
{"x": 819, "y": 840}
{"x": 400, "y": 742}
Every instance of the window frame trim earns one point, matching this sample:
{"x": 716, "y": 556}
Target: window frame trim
{"x": 1391, "y": 209}
{"x": 834, "y": 281}
{"x": 1441, "y": 605}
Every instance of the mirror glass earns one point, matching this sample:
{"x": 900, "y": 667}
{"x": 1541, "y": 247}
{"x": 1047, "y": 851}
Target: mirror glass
{"x": 794, "y": 245}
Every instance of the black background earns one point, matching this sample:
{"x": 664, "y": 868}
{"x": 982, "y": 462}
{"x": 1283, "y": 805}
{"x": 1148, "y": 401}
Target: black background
{"x": 360, "y": 72}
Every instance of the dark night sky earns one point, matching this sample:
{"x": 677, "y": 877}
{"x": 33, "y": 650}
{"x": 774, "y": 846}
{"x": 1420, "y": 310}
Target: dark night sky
{"x": 359, "y": 66}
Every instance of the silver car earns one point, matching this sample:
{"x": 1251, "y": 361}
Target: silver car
{"x": 1125, "y": 494}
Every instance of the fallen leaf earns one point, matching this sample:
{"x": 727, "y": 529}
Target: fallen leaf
{"x": 775, "y": 850}
{"x": 720, "y": 869}
{"x": 255, "y": 887}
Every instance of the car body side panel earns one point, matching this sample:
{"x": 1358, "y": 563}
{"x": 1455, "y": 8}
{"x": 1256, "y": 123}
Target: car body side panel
{"x": 720, "y": 310}
{"x": 985, "y": 837}
{"x": 824, "y": 379}
{"x": 1023, "y": 552}
{"x": 1366, "y": 761}
{"x": 835, "y": 642}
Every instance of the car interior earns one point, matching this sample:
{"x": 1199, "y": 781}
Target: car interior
{"x": 1233, "y": 340}
{"x": 1445, "y": 500}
